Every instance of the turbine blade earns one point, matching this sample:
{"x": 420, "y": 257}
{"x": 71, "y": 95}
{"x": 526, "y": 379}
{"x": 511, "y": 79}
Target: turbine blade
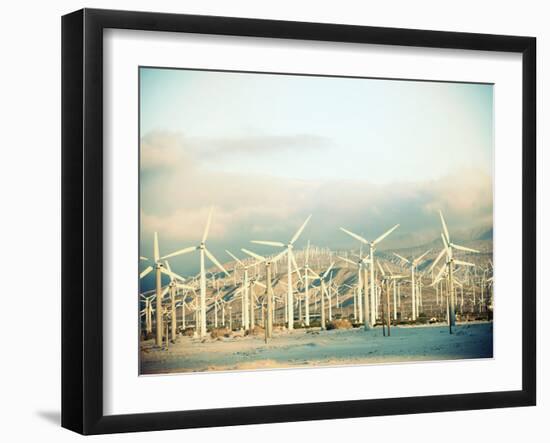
{"x": 145, "y": 271}
{"x": 235, "y": 258}
{"x": 156, "y": 252}
{"x": 279, "y": 256}
{"x": 295, "y": 265}
{"x": 417, "y": 260}
{"x": 269, "y": 243}
{"x": 437, "y": 260}
{"x": 355, "y": 236}
{"x": 307, "y": 253}
{"x": 463, "y": 248}
{"x": 215, "y": 261}
{"x": 254, "y": 255}
{"x": 381, "y": 269}
{"x": 347, "y": 260}
{"x": 143, "y": 258}
{"x": 299, "y": 231}
{"x": 385, "y": 234}
{"x": 440, "y": 273}
{"x": 181, "y": 252}
{"x": 169, "y": 269}
{"x": 171, "y": 274}
{"x": 328, "y": 270}
{"x": 207, "y": 228}
{"x": 317, "y": 276}
{"x": 164, "y": 291}
{"x": 180, "y": 286}
{"x": 445, "y": 230}
{"x": 402, "y": 258}
{"x": 464, "y": 263}
{"x": 447, "y": 248}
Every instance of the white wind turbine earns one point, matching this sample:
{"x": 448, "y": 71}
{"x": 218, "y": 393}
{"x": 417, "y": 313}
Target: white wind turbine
{"x": 394, "y": 278}
{"x": 389, "y": 279}
{"x": 323, "y": 292}
{"x": 448, "y": 248}
{"x": 413, "y": 264}
{"x": 148, "y": 310}
{"x": 247, "y": 303}
{"x": 362, "y": 285}
{"x": 203, "y": 252}
{"x": 173, "y": 286}
{"x": 268, "y": 288}
{"x": 291, "y": 262}
{"x": 159, "y": 269}
{"x": 371, "y": 258}
{"x": 307, "y": 271}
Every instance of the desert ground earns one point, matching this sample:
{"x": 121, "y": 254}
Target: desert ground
{"x": 311, "y": 347}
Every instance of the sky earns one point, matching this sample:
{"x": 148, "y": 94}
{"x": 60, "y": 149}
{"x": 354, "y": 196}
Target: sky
{"x": 266, "y": 150}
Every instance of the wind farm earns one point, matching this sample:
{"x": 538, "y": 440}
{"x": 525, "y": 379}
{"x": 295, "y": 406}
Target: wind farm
{"x": 312, "y": 306}
{"x": 308, "y": 221}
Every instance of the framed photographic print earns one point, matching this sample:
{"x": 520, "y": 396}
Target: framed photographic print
{"x": 269, "y": 221}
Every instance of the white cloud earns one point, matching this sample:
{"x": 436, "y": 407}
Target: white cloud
{"x": 177, "y": 192}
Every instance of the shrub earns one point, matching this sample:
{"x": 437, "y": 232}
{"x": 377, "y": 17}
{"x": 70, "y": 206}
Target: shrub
{"x": 315, "y": 323}
{"x": 422, "y": 318}
{"x": 256, "y": 331}
{"x": 220, "y": 332}
{"x": 188, "y": 332}
{"x": 339, "y": 324}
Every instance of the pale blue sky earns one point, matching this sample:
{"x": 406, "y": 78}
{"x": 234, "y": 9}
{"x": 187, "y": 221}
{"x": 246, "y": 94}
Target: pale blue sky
{"x": 380, "y": 130}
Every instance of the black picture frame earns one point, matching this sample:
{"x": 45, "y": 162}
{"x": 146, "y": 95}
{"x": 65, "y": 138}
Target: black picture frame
{"x": 82, "y": 219}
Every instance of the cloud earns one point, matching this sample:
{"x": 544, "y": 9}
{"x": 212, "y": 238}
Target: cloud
{"x": 161, "y": 151}
{"x": 175, "y": 201}
{"x": 260, "y": 144}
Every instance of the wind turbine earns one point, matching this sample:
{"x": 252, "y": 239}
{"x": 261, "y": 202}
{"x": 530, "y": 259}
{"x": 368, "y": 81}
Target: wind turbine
{"x": 414, "y": 264}
{"x": 362, "y": 285}
{"x": 148, "y": 310}
{"x": 371, "y": 258}
{"x": 307, "y": 271}
{"x": 203, "y": 252}
{"x": 394, "y": 278}
{"x": 173, "y": 286}
{"x": 448, "y": 248}
{"x": 388, "y": 279}
{"x": 291, "y": 262}
{"x": 268, "y": 288}
{"x": 159, "y": 269}
{"x": 321, "y": 278}
{"x": 247, "y": 312}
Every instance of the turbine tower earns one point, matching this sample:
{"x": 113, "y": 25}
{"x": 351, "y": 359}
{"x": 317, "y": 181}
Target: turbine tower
{"x": 321, "y": 278}
{"x": 159, "y": 270}
{"x": 203, "y": 252}
{"x": 291, "y": 262}
{"x": 362, "y": 285}
{"x": 371, "y": 259}
{"x": 448, "y": 248}
{"x": 268, "y": 288}
{"x": 414, "y": 264}
{"x": 248, "y": 306}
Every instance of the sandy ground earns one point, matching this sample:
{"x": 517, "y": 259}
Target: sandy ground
{"x": 314, "y": 348}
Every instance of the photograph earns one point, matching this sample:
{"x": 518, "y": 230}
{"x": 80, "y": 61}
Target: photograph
{"x": 294, "y": 220}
